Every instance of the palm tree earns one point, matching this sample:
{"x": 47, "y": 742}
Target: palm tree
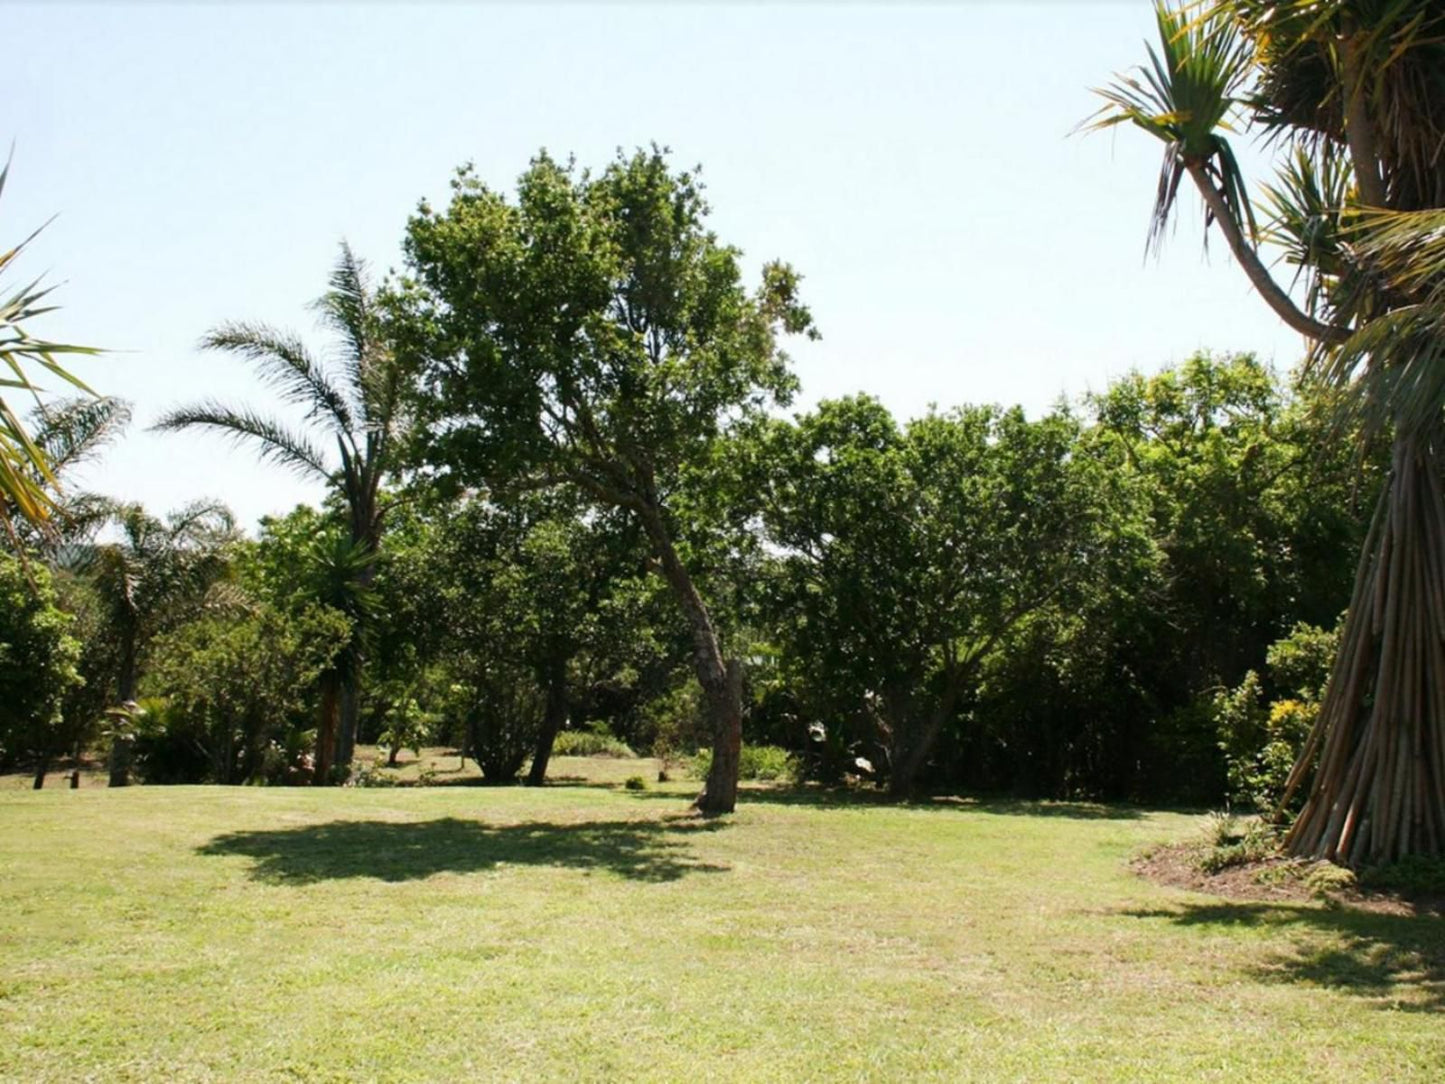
{"x": 27, "y": 479}
{"x": 69, "y": 433}
{"x": 1348, "y": 92}
{"x": 353, "y": 400}
{"x": 153, "y": 576}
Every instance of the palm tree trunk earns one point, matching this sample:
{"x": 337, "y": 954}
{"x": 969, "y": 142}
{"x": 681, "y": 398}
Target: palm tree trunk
{"x": 1378, "y": 793}
{"x": 126, "y": 689}
{"x": 326, "y": 731}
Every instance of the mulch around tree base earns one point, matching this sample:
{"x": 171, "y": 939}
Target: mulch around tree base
{"x": 1277, "y": 880}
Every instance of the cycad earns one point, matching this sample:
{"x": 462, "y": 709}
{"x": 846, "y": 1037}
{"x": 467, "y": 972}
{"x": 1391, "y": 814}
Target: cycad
{"x": 352, "y": 403}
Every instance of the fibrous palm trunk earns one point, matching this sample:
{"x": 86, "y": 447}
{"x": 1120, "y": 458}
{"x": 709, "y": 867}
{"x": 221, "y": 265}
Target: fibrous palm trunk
{"x": 1379, "y": 790}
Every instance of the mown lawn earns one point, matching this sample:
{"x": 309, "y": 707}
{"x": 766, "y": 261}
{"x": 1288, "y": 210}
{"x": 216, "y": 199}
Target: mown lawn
{"x": 588, "y": 932}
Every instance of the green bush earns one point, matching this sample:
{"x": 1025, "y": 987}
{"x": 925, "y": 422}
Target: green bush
{"x": 767, "y": 763}
{"x": 635, "y": 782}
{"x": 1235, "y": 843}
{"x": 590, "y": 743}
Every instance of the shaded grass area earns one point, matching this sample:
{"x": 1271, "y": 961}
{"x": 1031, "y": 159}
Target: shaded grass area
{"x": 590, "y": 933}
{"x": 652, "y": 850}
{"x": 1364, "y": 953}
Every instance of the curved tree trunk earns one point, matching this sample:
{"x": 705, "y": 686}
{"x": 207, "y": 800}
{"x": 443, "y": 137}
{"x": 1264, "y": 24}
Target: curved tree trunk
{"x": 1378, "y": 793}
{"x": 721, "y": 680}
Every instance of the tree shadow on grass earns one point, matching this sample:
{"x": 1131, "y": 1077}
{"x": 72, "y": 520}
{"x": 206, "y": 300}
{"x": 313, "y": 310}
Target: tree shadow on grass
{"x": 1365, "y": 953}
{"x": 639, "y": 850}
{"x": 823, "y": 797}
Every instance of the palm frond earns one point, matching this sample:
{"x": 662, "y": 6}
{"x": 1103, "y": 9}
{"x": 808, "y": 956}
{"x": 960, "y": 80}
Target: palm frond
{"x": 74, "y": 430}
{"x": 1187, "y": 97}
{"x": 284, "y": 362}
{"x": 346, "y": 309}
{"x": 274, "y": 441}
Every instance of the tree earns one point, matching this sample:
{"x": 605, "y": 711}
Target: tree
{"x": 355, "y": 401}
{"x": 520, "y": 592}
{"x": 38, "y": 658}
{"x": 27, "y": 477}
{"x": 69, "y": 433}
{"x": 153, "y": 577}
{"x": 595, "y": 333}
{"x": 911, "y": 554}
{"x": 236, "y": 679}
{"x": 1348, "y": 93}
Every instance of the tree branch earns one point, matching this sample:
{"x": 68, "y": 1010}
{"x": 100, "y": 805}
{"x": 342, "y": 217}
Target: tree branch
{"x": 1258, "y": 274}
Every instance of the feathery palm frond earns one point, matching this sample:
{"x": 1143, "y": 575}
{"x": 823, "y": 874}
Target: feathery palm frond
{"x": 346, "y": 310}
{"x": 286, "y": 365}
{"x": 274, "y": 441}
{"x": 74, "y": 430}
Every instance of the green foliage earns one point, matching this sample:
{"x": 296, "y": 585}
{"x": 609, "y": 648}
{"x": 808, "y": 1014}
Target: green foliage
{"x": 1262, "y": 741}
{"x": 908, "y": 555}
{"x": 1236, "y": 843}
{"x": 591, "y": 743}
{"x": 634, "y": 782}
{"x": 1415, "y": 874}
{"x": 27, "y": 477}
{"x": 235, "y": 681}
{"x": 38, "y": 664}
{"x": 764, "y": 763}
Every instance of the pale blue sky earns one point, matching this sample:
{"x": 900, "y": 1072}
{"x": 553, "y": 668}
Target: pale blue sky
{"x": 914, "y": 163}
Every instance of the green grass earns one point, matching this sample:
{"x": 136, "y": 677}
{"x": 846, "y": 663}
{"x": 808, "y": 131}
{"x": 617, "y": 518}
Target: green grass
{"x": 587, "y": 932}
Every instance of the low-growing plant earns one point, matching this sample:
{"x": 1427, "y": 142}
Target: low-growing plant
{"x": 591, "y": 743}
{"x": 1415, "y": 874}
{"x": 1326, "y": 878}
{"x": 1232, "y": 842}
{"x": 764, "y": 763}
{"x": 635, "y": 782}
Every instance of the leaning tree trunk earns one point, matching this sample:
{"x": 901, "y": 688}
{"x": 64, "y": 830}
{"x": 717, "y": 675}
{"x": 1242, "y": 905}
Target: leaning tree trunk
{"x": 1378, "y": 792}
{"x": 552, "y": 719}
{"x": 721, "y": 679}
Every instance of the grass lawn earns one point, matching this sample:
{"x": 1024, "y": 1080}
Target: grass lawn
{"x": 589, "y": 932}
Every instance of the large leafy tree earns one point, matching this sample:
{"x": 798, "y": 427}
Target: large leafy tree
{"x": 1349, "y": 94}
{"x": 352, "y": 400}
{"x": 909, "y": 554}
{"x": 594, "y": 332}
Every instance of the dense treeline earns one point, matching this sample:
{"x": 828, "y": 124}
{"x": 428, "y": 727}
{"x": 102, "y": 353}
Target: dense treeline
{"x": 1078, "y": 604}
{"x": 563, "y": 495}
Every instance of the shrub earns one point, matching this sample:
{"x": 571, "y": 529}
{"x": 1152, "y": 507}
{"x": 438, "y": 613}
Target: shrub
{"x": 590, "y": 743}
{"x": 767, "y": 763}
{"x": 1235, "y": 843}
{"x": 635, "y": 782}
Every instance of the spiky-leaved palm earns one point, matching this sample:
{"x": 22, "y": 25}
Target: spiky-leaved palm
{"x": 28, "y": 483}
{"x": 352, "y": 401}
{"x": 1349, "y": 92}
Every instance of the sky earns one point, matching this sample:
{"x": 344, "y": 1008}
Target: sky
{"x": 915, "y": 164}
